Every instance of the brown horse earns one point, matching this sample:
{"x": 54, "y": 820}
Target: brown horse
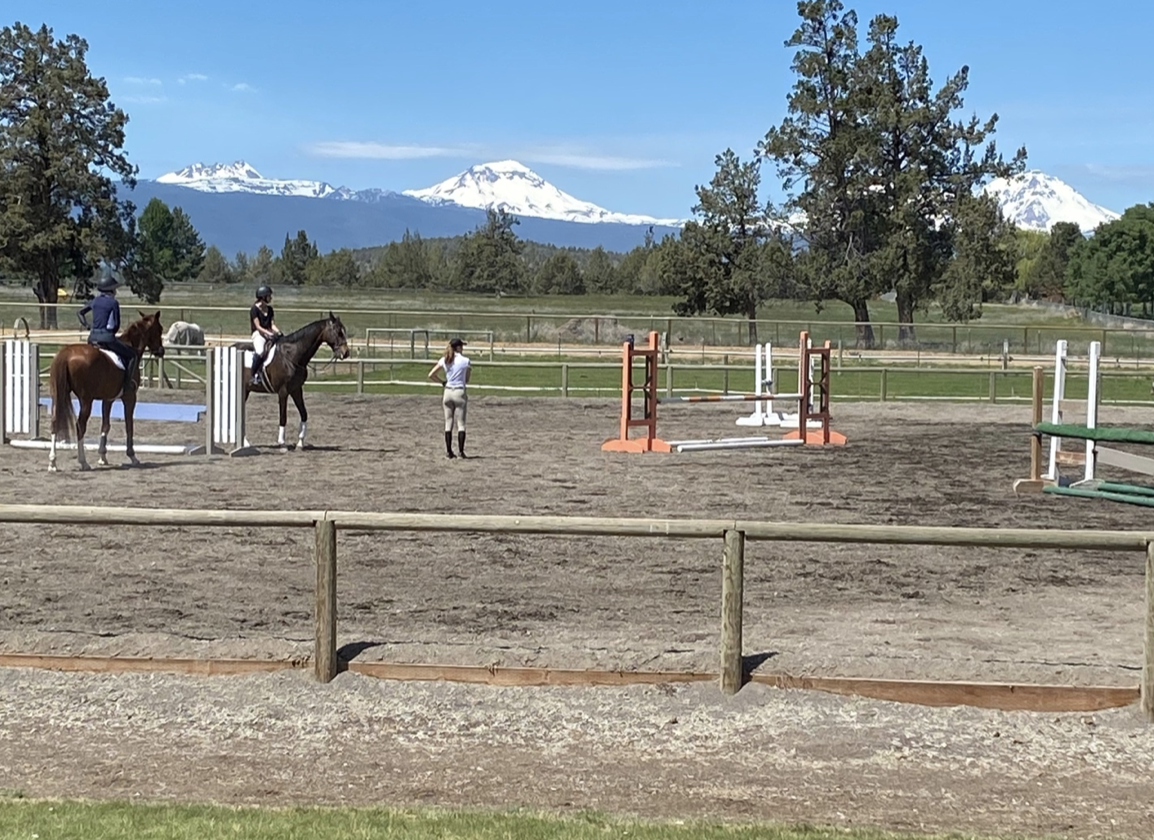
{"x": 84, "y": 370}
{"x": 286, "y": 372}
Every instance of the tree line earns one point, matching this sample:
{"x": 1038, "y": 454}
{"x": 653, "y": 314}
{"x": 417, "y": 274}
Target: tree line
{"x": 881, "y": 182}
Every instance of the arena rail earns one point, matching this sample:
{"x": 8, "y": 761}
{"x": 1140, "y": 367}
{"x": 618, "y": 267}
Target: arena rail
{"x": 733, "y": 533}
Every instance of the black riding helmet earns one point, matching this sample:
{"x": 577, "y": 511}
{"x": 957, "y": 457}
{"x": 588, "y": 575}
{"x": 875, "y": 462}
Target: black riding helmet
{"x": 263, "y": 293}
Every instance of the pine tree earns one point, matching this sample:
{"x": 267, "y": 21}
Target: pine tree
{"x": 59, "y": 135}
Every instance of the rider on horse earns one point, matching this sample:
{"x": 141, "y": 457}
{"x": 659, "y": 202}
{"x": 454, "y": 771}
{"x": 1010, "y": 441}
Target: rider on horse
{"x": 264, "y": 329}
{"x": 105, "y": 309}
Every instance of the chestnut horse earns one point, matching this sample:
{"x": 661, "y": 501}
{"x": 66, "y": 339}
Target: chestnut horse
{"x": 85, "y": 370}
{"x": 285, "y": 373}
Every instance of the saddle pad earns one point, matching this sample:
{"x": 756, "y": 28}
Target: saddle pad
{"x": 115, "y": 359}
{"x": 270, "y": 354}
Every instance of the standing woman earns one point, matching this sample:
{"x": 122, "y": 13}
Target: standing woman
{"x": 455, "y": 364}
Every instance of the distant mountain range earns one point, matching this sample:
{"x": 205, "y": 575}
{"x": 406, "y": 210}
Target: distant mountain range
{"x": 236, "y": 209}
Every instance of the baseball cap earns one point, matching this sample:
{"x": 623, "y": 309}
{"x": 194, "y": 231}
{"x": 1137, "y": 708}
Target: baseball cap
{"x": 456, "y": 342}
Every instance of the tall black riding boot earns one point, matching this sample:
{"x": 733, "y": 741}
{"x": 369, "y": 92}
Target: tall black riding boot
{"x": 449, "y": 444}
{"x": 257, "y": 363}
{"x": 461, "y": 444}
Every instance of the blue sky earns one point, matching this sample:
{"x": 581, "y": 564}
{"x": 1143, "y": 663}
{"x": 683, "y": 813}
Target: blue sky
{"x": 621, "y": 103}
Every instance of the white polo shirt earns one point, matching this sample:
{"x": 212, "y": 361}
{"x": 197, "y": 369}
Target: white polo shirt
{"x": 455, "y": 371}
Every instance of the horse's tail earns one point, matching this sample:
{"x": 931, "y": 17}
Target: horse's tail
{"x": 59, "y": 383}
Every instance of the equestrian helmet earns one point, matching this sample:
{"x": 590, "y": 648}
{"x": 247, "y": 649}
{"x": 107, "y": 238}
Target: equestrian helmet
{"x": 263, "y": 293}
{"x": 108, "y": 281}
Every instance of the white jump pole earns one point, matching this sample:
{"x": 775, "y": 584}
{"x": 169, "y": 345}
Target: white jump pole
{"x": 1092, "y": 408}
{"x": 1056, "y": 407}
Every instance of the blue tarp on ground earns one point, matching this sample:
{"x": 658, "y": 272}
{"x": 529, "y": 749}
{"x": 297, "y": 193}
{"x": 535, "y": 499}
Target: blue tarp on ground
{"x": 145, "y": 411}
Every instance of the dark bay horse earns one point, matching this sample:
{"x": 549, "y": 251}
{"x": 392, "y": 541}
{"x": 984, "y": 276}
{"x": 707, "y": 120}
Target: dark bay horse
{"x": 84, "y": 370}
{"x": 285, "y": 373}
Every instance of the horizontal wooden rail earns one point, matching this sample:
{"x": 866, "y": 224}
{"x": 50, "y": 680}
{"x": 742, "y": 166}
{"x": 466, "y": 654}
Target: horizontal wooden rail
{"x": 588, "y": 526}
{"x": 734, "y": 534}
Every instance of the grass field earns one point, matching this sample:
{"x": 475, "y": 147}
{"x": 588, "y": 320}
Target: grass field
{"x": 606, "y": 319}
{"x": 62, "y": 820}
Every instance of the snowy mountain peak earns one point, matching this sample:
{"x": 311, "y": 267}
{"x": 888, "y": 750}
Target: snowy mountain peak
{"x": 1037, "y": 201}
{"x": 515, "y": 188}
{"x": 241, "y": 177}
{"x": 200, "y": 172}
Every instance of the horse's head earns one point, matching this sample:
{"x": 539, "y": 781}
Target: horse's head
{"x": 334, "y": 336}
{"x": 146, "y": 334}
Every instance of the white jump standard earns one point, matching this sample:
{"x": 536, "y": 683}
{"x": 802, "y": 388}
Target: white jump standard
{"x": 774, "y": 411}
{"x": 20, "y": 404}
{"x": 1089, "y": 485}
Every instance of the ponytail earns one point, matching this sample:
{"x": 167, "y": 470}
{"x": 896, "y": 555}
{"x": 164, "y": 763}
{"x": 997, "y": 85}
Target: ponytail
{"x": 450, "y": 354}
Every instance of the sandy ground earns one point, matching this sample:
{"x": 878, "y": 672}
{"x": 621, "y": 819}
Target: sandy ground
{"x": 932, "y": 613}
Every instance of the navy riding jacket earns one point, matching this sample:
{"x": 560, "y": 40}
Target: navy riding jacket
{"x": 105, "y": 311}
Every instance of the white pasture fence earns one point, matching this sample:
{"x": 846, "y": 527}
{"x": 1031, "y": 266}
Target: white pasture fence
{"x": 20, "y": 404}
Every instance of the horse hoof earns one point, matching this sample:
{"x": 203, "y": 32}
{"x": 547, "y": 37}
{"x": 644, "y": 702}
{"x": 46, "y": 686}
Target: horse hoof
{"x": 85, "y": 468}
{"x": 51, "y": 468}
{"x": 103, "y": 462}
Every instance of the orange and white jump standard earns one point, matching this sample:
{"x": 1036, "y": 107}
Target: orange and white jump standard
{"x": 812, "y": 416}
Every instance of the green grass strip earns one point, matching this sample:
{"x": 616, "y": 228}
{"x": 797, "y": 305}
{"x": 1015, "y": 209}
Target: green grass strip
{"x": 68, "y": 820}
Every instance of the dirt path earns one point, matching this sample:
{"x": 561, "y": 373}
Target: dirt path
{"x": 934, "y": 613}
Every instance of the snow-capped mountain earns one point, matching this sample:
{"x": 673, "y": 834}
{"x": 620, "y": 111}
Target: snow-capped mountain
{"x": 1037, "y": 201}
{"x": 515, "y": 188}
{"x": 241, "y": 177}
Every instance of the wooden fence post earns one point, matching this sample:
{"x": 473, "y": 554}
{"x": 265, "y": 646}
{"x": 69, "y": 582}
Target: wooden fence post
{"x": 1148, "y": 646}
{"x": 732, "y": 587}
{"x": 325, "y": 655}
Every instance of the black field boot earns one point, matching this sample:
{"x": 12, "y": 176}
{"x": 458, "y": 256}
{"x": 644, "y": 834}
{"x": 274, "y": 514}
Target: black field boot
{"x": 449, "y": 445}
{"x": 461, "y": 444}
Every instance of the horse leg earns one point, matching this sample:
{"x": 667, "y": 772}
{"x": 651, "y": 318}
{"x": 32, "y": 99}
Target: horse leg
{"x": 128, "y": 400}
{"x": 299, "y": 401}
{"x": 105, "y": 425}
{"x": 282, "y": 397}
{"x": 81, "y": 428}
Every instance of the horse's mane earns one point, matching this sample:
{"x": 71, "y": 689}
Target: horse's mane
{"x": 296, "y": 335}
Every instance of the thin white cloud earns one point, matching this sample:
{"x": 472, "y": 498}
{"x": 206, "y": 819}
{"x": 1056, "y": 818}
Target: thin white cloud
{"x": 242, "y": 87}
{"x": 144, "y": 100}
{"x": 1125, "y": 173}
{"x": 356, "y": 149}
{"x": 592, "y": 161}
{"x": 192, "y": 77}
{"x": 141, "y": 80}
{"x": 360, "y": 150}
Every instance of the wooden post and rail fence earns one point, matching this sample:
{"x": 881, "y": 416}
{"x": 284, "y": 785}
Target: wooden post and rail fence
{"x": 733, "y": 534}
